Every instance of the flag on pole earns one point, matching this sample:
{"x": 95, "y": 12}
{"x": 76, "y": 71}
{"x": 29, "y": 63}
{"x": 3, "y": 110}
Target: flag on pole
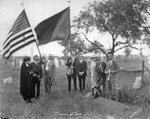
{"x": 54, "y": 28}
{"x": 19, "y": 36}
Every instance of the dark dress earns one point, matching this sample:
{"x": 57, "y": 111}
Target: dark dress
{"x": 26, "y": 82}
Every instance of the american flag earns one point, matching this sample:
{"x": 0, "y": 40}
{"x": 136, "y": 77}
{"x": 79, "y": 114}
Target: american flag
{"x": 19, "y": 36}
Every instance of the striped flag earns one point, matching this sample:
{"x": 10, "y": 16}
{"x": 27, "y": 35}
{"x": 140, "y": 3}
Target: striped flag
{"x": 54, "y": 28}
{"x": 19, "y": 36}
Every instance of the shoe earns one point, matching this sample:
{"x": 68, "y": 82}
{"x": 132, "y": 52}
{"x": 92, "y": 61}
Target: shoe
{"x": 33, "y": 99}
{"x": 28, "y": 101}
{"x": 37, "y": 98}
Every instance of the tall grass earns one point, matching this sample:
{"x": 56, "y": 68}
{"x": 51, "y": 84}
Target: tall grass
{"x": 61, "y": 104}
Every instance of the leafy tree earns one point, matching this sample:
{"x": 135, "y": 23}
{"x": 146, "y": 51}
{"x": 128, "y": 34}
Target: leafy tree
{"x": 83, "y": 25}
{"x": 140, "y": 19}
{"x": 74, "y": 44}
{"x": 106, "y": 17}
{"x": 94, "y": 48}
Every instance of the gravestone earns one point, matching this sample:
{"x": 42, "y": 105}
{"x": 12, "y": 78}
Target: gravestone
{"x": 7, "y": 80}
{"x": 62, "y": 62}
{"x": 56, "y": 62}
{"x": 137, "y": 83}
{"x": 148, "y": 59}
{"x": 20, "y": 63}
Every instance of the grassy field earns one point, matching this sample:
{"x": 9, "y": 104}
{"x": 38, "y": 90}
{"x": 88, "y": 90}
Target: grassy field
{"x": 61, "y": 104}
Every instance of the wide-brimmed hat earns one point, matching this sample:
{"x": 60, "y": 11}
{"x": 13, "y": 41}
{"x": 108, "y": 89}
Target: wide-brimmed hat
{"x": 94, "y": 56}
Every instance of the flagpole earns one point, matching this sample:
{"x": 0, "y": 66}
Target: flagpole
{"x": 69, "y": 30}
{"x": 39, "y": 51}
{"x": 35, "y": 39}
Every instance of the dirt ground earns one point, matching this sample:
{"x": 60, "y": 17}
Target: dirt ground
{"x": 61, "y": 104}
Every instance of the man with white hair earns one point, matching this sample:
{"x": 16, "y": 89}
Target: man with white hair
{"x": 36, "y": 65}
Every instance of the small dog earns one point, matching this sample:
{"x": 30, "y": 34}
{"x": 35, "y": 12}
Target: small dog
{"x": 96, "y": 92}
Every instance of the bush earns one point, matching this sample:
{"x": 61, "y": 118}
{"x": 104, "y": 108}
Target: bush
{"x": 135, "y": 96}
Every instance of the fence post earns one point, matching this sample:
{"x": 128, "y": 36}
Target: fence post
{"x": 142, "y": 76}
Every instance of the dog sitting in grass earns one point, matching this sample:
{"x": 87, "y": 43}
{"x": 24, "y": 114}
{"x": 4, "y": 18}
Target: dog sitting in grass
{"x": 96, "y": 92}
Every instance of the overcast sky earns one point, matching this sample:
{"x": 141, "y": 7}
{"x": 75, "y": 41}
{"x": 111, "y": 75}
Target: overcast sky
{"x": 37, "y": 11}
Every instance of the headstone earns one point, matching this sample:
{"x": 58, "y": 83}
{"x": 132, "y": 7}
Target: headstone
{"x": 20, "y": 63}
{"x": 13, "y": 63}
{"x": 89, "y": 94}
{"x": 56, "y": 62}
{"x": 148, "y": 59}
{"x": 62, "y": 62}
{"x": 7, "y": 80}
{"x": 109, "y": 117}
{"x": 137, "y": 83}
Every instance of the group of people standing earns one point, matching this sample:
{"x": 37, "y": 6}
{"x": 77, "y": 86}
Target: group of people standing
{"x": 30, "y": 78}
{"x": 76, "y": 67}
{"x": 103, "y": 75}
{"x": 32, "y": 74}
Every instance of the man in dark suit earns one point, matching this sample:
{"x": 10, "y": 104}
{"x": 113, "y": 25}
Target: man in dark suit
{"x": 37, "y": 67}
{"x": 71, "y": 63}
{"x": 81, "y": 68}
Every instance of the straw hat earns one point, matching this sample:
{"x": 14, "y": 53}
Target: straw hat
{"x": 94, "y": 56}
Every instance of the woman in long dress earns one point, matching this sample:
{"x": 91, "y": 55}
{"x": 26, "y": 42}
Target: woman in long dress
{"x": 26, "y": 84}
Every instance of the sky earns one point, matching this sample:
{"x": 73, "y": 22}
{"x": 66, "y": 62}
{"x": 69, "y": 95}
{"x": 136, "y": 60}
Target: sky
{"x": 37, "y": 11}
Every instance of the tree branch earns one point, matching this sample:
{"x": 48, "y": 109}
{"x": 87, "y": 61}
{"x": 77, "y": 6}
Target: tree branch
{"x": 95, "y": 44}
{"x": 121, "y": 43}
{"x": 127, "y": 46}
{"x": 135, "y": 25}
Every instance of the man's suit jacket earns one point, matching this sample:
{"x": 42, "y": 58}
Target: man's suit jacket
{"x": 70, "y": 63}
{"x": 114, "y": 67}
{"x": 50, "y": 69}
{"x": 38, "y": 68}
{"x": 100, "y": 70}
{"x": 81, "y": 67}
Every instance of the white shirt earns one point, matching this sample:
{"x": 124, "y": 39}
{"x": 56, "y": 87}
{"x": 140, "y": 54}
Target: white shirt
{"x": 92, "y": 67}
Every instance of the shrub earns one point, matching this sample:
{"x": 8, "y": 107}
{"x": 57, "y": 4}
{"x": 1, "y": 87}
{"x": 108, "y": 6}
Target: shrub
{"x": 134, "y": 96}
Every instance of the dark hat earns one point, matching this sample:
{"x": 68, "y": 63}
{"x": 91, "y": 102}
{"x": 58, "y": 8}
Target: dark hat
{"x": 36, "y": 57}
{"x": 109, "y": 52}
{"x": 26, "y": 58}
